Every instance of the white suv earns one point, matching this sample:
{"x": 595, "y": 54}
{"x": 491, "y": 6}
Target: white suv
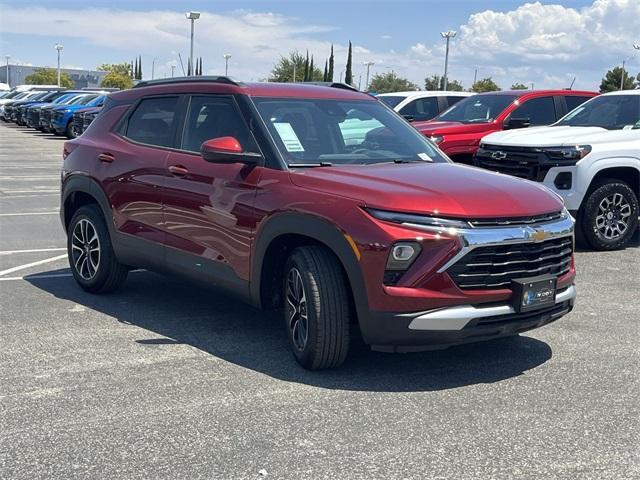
{"x": 421, "y": 104}
{"x": 591, "y": 158}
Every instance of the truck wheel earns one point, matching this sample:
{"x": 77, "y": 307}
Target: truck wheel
{"x": 610, "y": 215}
{"x": 69, "y": 130}
{"x": 316, "y": 309}
{"x": 91, "y": 257}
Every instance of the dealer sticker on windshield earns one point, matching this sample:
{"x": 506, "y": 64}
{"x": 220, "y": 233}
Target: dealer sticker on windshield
{"x": 425, "y": 157}
{"x": 288, "y": 137}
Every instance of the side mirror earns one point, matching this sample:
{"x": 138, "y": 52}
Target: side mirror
{"x": 409, "y": 118}
{"x": 512, "y": 123}
{"x": 227, "y": 150}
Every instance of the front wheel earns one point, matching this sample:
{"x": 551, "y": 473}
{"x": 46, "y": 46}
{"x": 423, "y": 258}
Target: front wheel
{"x": 610, "y": 215}
{"x": 91, "y": 257}
{"x": 316, "y": 310}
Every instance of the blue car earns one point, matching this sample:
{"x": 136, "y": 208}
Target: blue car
{"x": 34, "y": 111}
{"x": 62, "y": 116}
{"x": 20, "y": 109}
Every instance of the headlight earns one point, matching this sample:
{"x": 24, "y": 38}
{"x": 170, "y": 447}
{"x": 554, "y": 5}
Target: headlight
{"x": 439, "y": 225}
{"x": 568, "y": 155}
{"x": 437, "y": 139}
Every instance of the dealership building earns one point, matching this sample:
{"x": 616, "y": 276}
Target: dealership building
{"x": 81, "y": 78}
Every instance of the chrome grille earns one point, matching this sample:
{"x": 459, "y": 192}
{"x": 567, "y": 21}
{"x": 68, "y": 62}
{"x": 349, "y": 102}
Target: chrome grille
{"x": 501, "y": 222}
{"x": 495, "y": 266}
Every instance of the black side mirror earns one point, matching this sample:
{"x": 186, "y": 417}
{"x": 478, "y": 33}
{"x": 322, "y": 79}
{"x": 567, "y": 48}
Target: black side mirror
{"x": 512, "y": 123}
{"x": 409, "y": 118}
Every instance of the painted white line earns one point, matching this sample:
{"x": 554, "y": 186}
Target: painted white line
{"x": 34, "y": 250}
{"x": 48, "y": 275}
{"x": 28, "y": 213}
{"x": 34, "y": 190}
{"x": 32, "y": 264}
{"x": 30, "y": 196}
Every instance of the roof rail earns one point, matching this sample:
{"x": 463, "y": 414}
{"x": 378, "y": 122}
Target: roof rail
{"x": 344, "y": 86}
{"x": 192, "y": 79}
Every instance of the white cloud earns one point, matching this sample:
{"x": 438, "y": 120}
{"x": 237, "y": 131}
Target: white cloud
{"x": 545, "y": 44}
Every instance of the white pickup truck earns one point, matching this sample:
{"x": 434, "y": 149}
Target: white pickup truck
{"x": 591, "y": 158}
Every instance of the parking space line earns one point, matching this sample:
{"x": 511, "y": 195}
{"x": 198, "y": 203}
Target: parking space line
{"x": 56, "y": 212}
{"x": 33, "y": 250}
{"x": 32, "y": 264}
{"x": 49, "y": 275}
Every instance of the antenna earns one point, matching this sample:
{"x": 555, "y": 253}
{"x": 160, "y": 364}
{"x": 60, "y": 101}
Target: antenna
{"x": 181, "y": 64}
{"x": 572, "y": 82}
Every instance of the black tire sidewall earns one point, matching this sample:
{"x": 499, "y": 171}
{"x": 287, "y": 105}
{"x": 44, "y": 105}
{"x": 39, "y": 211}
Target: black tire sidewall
{"x": 590, "y": 211}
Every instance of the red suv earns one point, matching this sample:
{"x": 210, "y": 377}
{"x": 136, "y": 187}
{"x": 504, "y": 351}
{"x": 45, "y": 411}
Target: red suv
{"x": 458, "y": 130}
{"x": 318, "y": 200}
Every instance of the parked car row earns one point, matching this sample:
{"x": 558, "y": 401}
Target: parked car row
{"x": 585, "y": 148}
{"x": 52, "y": 109}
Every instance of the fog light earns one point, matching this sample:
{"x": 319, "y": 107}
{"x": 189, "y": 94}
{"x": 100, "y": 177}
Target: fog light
{"x": 400, "y": 259}
{"x": 563, "y": 181}
{"x": 403, "y": 252}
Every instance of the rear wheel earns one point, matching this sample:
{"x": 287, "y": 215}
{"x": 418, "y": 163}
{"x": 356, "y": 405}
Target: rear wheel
{"x": 316, "y": 310}
{"x": 69, "y": 132}
{"x": 610, "y": 215}
{"x": 91, "y": 257}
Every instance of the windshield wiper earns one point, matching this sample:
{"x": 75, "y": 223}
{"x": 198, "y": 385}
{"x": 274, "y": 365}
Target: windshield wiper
{"x": 310, "y": 165}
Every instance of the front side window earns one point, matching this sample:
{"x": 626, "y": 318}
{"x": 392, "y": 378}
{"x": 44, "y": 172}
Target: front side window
{"x": 613, "y": 112}
{"x": 341, "y": 132}
{"x": 539, "y": 111}
{"x": 213, "y": 117}
{"x": 477, "y": 109}
{"x": 421, "y": 108}
{"x": 391, "y": 101}
{"x": 152, "y": 121}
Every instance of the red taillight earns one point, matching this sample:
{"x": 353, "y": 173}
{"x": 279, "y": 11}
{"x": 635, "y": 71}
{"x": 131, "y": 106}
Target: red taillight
{"x": 65, "y": 150}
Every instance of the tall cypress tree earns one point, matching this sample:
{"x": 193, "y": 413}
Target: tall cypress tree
{"x": 330, "y": 71}
{"x": 325, "y": 74}
{"x": 140, "y": 67}
{"x": 311, "y": 69}
{"x": 348, "y": 75}
{"x": 132, "y": 72}
{"x": 305, "y": 77}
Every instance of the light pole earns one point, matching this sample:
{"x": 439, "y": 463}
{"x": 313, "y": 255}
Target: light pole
{"x": 173, "y": 68}
{"x": 193, "y": 16}
{"x": 7, "y": 57}
{"x": 294, "y": 71}
{"x": 368, "y": 65}
{"x": 153, "y": 67}
{"x": 622, "y": 75}
{"x": 448, "y": 35}
{"x": 227, "y": 56}
{"x": 59, "y": 48}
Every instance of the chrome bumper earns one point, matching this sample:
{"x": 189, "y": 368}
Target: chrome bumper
{"x": 456, "y": 318}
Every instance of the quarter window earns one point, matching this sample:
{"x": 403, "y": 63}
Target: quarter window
{"x": 574, "y": 101}
{"x": 539, "y": 111}
{"x": 152, "y": 121}
{"x": 421, "y": 108}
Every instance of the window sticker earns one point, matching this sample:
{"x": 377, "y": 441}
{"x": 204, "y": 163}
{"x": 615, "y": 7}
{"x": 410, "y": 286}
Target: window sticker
{"x": 288, "y": 137}
{"x": 425, "y": 157}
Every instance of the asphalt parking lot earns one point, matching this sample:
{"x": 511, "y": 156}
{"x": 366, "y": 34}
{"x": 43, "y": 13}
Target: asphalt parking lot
{"x": 165, "y": 380}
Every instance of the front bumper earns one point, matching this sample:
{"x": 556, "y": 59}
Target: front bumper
{"x": 446, "y": 327}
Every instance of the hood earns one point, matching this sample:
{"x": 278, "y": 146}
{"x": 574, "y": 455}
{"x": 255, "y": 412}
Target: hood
{"x": 447, "y": 128}
{"x": 559, "y": 136}
{"x": 443, "y": 189}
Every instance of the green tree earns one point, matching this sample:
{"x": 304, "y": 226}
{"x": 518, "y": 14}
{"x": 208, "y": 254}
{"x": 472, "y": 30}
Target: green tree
{"x": 330, "y": 71}
{"x": 283, "y": 69}
{"x": 48, "y": 76}
{"x": 305, "y": 76}
{"x": 348, "y": 75}
{"x": 139, "y": 77}
{"x": 390, "y": 82}
{"x": 435, "y": 82}
{"x": 613, "y": 78}
{"x": 120, "y": 68}
{"x": 325, "y": 74}
{"x": 519, "y": 86}
{"x": 485, "y": 85}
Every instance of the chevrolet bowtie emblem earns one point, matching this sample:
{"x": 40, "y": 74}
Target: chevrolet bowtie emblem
{"x": 539, "y": 236}
{"x": 498, "y": 155}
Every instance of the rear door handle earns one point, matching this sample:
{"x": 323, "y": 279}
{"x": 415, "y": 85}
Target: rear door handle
{"x": 178, "y": 170}
{"x": 106, "y": 157}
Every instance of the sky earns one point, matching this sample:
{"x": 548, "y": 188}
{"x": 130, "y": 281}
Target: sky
{"x": 546, "y": 43}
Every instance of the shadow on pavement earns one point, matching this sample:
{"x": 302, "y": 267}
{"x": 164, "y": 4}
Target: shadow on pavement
{"x": 254, "y": 339}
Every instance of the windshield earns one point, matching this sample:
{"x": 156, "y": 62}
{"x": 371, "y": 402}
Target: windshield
{"x": 477, "y": 109}
{"x": 391, "y": 100}
{"x": 311, "y": 132}
{"x": 613, "y": 112}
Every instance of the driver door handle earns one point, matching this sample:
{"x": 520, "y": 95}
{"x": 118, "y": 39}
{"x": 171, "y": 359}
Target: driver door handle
{"x": 178, "y": 170}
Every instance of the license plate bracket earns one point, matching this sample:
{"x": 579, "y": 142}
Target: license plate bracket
{"x": 533, "y": 293}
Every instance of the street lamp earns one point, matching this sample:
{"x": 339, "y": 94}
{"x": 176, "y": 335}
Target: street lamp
{"x": 59, "y": 48}
{"x": 448, "y": 35}
{"x": 153, "y": 67}
{"x": 7, "y": 57}
{"x": 636, "y": 46}
{"x": 173, "y": 69}
{"x": 226, "y": 56}
{"x": 368, "y": 65}
{"x": 193, "y": 16}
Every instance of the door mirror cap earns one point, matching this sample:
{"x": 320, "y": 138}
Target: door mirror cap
{"x": 227, "y": 150}
{"x": 512, "y": 123}
{"x": 409, "y": 118}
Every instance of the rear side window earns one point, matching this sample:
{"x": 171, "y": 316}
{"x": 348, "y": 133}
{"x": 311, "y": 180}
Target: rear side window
{"x": 421, "y": 108}
{"x": 574, "y": 101}
{"x": 152, "y": 121}
{"x": 452, "y": 100}
{"x": 539, "y": 111}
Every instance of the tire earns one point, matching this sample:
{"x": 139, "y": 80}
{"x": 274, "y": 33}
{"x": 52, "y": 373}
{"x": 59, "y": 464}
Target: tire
{"x": 325, "y": 342}
{"x": 69, "y": 133}
{"x": 609, "y": 216}
{"x": 98, "y": 271}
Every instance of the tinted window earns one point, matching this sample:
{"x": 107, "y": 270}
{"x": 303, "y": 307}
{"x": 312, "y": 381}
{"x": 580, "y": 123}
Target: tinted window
{"x": 421, "y": 108}
{"x": 454, "y": 100}
{"x": 152, "y": 121}
{"x": 613, "y": 112}
{"x": 574, "y": 101}
{"x": 539, "y": 111}
{"x": 390, "y": 100}
{"x": 212, "y": 117}
{"x": 477, "y": 109}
